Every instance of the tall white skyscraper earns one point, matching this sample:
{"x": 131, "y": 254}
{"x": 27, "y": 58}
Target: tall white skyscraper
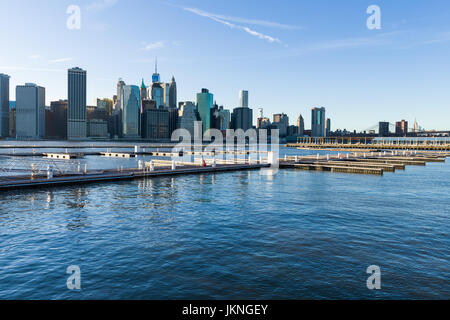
{"x": 76, "y": 112}
{"x": 243, "y": 99}
{"x": 30, "y": 111}
{"x": 4, "y": 105}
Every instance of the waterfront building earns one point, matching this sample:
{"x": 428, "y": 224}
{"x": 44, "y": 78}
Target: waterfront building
{"x": 117, "y": 103}
{"x": 30, "y": 111}
{"x": 166, "y": 87}
{"x": 12, "y": 122}
{"x": 220, "y": 118}
{"x": 318, "y": 122}
{"x": 131, "y": 109}
{"x": 76, "y": 112}
{"x": 173, "y": 94}
{"x": 301, "y": 125}
{"x": 56, "y": 120}
{"x": 97, "y": 128}
{"x": 4, "y": 105}
{"x": 155, "y": 124}
{"x": 292, "y": 130}
{"x": 263, "y": 123}
{"x": 401, "y": 128}
{"x": 243, "y": 99}
{"x": 204, "y": 105}
{"x": 173, "y": 120}
{"x": 242, "y": 118}
{"x": 156, "y": 93}
{"x": 105, "y": 104}
{"x": 148, "y": 104}
{"x": 281, "y": 121}
{"x": 143, "y": 92}
{"x": 328, "y": 127}
{"x": 187, "y": 116}
{"x": 383, "y": 129}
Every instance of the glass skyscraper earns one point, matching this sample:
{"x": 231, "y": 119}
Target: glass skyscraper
{"x": 30, "y": 111}
{"x": 318, "y": 122}
{"x": 131, "y": 111}
{"x": 204, "y": 105}
{"x": 4, "y": 105}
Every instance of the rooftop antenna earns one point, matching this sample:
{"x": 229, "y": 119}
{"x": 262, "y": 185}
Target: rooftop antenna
{"x": 156, "y": 65}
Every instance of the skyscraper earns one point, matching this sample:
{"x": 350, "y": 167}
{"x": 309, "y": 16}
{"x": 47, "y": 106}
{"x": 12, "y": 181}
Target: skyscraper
{"x": 204, "y": 105}
{"x": 301, "y": 125}
{"x": 30, "y": 111}
{"x": 131, "y": 109}
{"x": 282, "y": 122}
{"x": 173, "y": 94}
{"x": 318, "y": 122}
{"x": 76, "y": 113}
{"x": 328, "y": 127}
{"x": 156, "y": 92}
{"x": 187, "y": 116}
{"x": 243, "y": 99}
{"x": 4, "y": 105}
{"x": 155, "y": 76}
{"x": 383, "y": 129}
{"x": 401, "y": 128}
{"x": 143, "y": 92}
{"x": 166, "y": 88}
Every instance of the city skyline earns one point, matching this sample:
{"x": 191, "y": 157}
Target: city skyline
{"x": 291, "y": 59}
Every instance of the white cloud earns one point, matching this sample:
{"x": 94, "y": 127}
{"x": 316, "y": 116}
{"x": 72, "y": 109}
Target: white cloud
{"x": 61, "y": 60}
{"x": 99, "y": 5}
{"x": 262, "y": 23}
{"x": 35, "y": 56}
{"x": 154, "y": 45}
{"x": 226, "y": 21}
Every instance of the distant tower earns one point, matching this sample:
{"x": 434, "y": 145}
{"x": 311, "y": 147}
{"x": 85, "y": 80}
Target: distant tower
{"x": 173, "y": 94}
{"x": 260, "y": 113}
{"x": 318, "y": 122}
{"x": 415, "y": 126}
{"x": 301, "y": 125}
{"x": 243, "y": 99}
{"x": 4, "y": 105}
{"x": 155, "y": 76}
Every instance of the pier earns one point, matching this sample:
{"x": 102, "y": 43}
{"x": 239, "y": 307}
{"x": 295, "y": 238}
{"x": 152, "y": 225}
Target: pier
{"x": 362, "y": 163}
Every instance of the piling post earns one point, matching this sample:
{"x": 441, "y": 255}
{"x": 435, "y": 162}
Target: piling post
{"x": 85, "y": 168}
{"x": 49, "y": 172}
{"x": 174, "y": 165}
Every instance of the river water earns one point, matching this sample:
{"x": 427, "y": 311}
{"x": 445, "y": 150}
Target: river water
{"x": 238, "y": 235}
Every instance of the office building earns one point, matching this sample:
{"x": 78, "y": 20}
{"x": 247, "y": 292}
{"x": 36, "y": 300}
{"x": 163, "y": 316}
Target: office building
{"x": 263, "y": 123}
{"x": 318, "y": 122}
{"x": 97, "y": 128}
{"x": 156, "y": 93}
{"x": 155, "y": 124}
{"x": 281, "y": 121}
{"x": 76, "y": 112}
{"x": 4, "y": 105}
{"x": 173, "y": 94}
{"x": 328, "y": 127}
{"x": 401, "y": 128}
{"x": 155, "y": 76}
{"x": 220, "y": 118}
{"x": 301, "y": 125}
{"x": 242, "y": 118}
{"x": 131, "y": 109}
{"x": 383, "y": 129}
{"x": 243, "y": 99}
{"x": 187, "y": 116}
{"x": 56, "y": 120}
{"x": 204, "y": 104}
{"x": 30, "y": 111}
{"x": 12, "y": 122}
{"x": 105, "y": 104}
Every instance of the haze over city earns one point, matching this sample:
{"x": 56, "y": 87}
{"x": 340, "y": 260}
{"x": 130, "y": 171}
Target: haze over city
{"x": 290, "y": 58}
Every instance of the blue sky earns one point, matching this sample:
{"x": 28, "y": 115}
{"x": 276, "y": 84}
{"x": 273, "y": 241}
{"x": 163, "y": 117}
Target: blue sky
{"x": 290, "y": 55}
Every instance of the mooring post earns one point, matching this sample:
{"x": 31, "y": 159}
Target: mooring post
{"x": 85, "y": 168}
{"x": 140, "y": 162}
{"x": 49, "y": 172}
{"x": 174, "y": 165}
